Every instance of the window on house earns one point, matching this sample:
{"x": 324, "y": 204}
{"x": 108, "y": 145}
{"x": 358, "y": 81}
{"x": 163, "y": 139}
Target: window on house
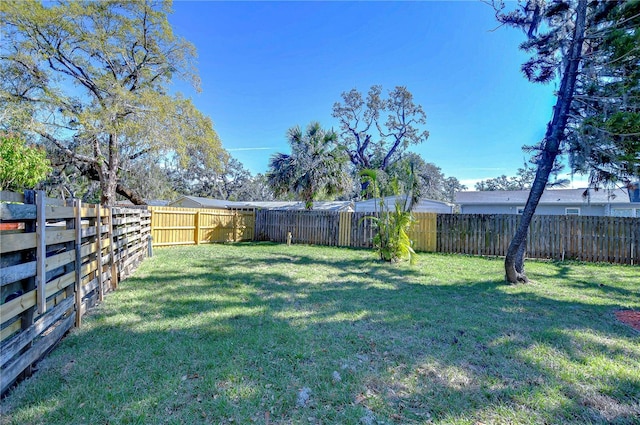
{"x": 622, "y": 212}
{"x": 572, "y": 211}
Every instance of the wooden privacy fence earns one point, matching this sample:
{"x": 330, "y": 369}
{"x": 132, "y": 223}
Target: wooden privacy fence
{"x": 57, "y": 260}
{"x": 584, "y": 238}
{"x": 336, "y": 228}
{"x": 193, "y": 226}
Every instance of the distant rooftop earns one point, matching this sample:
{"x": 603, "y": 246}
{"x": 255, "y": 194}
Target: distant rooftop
{"x": 269, "y": 205}
{"x": 549, "y": 197}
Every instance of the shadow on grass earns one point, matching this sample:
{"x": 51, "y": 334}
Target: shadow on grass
{"x": 235, "y": 337}
{"x": 596, "y": 283}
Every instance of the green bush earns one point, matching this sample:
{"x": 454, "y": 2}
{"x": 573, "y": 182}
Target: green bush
{"x": 392, "y": 240}
{"x": 21, "y": 166}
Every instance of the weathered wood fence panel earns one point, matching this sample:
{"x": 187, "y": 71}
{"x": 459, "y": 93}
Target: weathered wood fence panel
{"x": 310, "y": 227}
{"x": 56, "y": 261}
{"x": 334, "y": 228}
{"x": 585, "y": 238}
{"x": 192, "y": 226}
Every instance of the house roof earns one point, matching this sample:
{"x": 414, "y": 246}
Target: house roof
{"x": 203, "y": 202}
{"x": 430, "y": 205}
{"x": 269, "y": 205}
{"x": 297, "y": 205}
{"x": 157, "y": 202}
{"x": 423, "y": 205}
{"x": 370, "y": 205}
{"x": 549, "y": 197}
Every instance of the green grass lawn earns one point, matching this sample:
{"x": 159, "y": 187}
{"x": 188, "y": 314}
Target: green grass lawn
{"x": 271, "y": 334}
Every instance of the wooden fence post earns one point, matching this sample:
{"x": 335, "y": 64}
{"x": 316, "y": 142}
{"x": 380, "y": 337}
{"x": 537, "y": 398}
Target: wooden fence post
{"x": 41, "y": 253}
{"x": 77, "y": 203}
{"x": 26, "y": 320}
{"x": 235, "y": 226}
{"x": 112, "y": 253}
{"x": 196, "y": 233}
{"x": 99, "y": 257}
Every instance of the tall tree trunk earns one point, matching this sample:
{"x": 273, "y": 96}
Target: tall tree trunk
{"x": 93, "y": 172}
{"x": 109, "y": 173}
{"x": 108, "y": 187}
{"x": 514, "y": 261}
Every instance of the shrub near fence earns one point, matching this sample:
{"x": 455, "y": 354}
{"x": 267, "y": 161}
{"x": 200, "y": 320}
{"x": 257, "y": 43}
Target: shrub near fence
{"x": 56, "y": 262}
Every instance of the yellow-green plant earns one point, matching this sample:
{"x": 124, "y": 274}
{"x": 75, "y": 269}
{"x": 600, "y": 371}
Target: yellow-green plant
{"x": 21, "y": 166}
{"x": 391, "y": 242}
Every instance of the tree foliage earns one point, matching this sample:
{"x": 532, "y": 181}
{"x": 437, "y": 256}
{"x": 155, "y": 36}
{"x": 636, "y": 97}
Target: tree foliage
{"x": 592, "y": 48}
{"x": 555, "y": 34}
{"x": 521, "y": 181}
{"x": 91, "y": 78}
{"x": 604, "y": 138}
{"x": 391, "y": 241}
{"x": 315, "y": 168}
{"x": 376, "y": 131}
{"x": 231, "y": 181}
{"x": 427, "y": 178}
{"x": 21, "y": 166}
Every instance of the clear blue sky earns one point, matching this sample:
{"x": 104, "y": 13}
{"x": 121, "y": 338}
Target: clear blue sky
{"x": 267, "y": 66}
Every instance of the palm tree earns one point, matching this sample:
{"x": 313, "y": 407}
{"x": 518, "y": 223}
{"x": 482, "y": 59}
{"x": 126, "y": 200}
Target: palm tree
{"x": 391, "y": 241}
{"x": 316, "y": 166}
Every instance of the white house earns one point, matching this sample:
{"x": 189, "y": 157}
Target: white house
{"x": 199, "y": 202}
{"x": 423, "y": 205}
{"x": 553, "y": 202}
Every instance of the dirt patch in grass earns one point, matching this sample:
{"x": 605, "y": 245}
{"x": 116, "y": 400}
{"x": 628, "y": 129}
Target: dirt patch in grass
{"x": 629, "y": 317}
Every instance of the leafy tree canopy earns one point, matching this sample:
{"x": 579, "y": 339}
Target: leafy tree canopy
{"x": 91, "y": 78}
{"x": 232, "y": 181}
{"x": 427, "y": 179}
{"x": 521, "y": 181}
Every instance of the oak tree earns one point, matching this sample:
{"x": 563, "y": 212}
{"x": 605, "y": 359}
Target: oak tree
{"x": 92, "y": 79}
{"x": 377, "y": 130}
{"x": 429, "y": 180}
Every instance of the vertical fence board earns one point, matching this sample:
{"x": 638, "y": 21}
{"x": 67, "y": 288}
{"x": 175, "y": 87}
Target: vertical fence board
{"x": 99, "y": 252}
{"x": 41, "y": 253}
{"x": 78, "y": 265}
{"x": 112, "y": 253}
{"x": 586, "y": 238}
